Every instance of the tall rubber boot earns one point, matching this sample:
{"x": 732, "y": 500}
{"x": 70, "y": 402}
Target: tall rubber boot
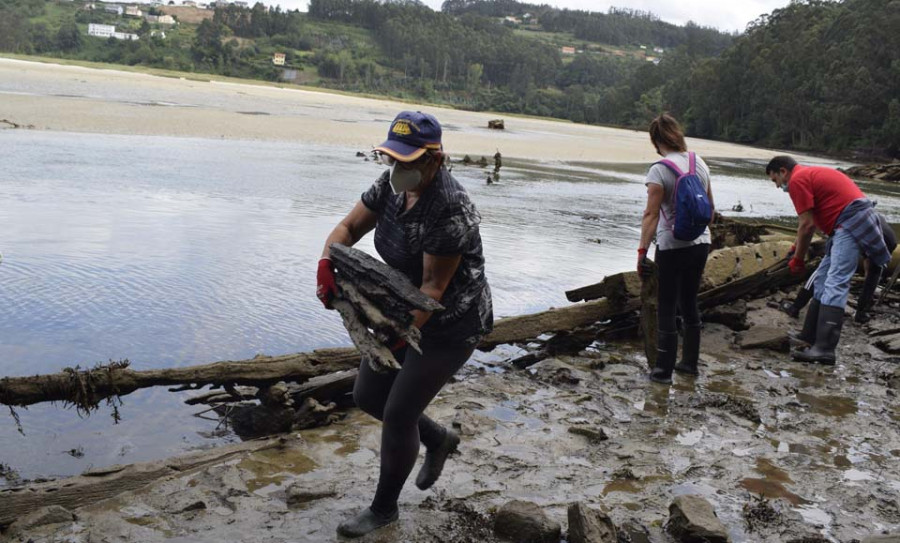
{"x": 793, "y": 309}
{"x": 690, "y": 354}
{"x": 867, "y": 296}
{"x": 667, "y": 349}
{"x": 828, "y": 334}
{"x": 808, "y": 333}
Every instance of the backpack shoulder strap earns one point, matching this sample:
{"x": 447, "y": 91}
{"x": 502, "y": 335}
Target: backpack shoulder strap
{"x": 672, "y": 166}
{"x": 692, "y": 160}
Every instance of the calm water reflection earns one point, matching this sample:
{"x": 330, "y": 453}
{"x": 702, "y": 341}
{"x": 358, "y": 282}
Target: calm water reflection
{"x": 172, "y": 252}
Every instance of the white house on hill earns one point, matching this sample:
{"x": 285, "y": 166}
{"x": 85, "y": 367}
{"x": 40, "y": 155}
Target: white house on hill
{"x": 101, "y": 31}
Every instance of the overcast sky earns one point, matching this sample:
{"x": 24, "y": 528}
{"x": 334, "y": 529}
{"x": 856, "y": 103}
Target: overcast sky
{"x": 723, "y": 14}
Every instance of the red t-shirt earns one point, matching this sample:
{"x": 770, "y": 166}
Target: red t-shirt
{"x": 824, "y": 191}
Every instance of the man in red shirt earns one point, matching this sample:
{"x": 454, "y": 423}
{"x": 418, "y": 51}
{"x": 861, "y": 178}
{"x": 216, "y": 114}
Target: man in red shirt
{"x": 830, "y": 201}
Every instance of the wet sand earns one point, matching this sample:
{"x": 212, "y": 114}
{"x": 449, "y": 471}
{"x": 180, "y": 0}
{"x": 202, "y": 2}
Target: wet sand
{"x": 118, "y": 102}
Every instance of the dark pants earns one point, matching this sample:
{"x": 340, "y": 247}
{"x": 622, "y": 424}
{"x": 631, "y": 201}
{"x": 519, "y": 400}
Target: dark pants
{"x": 399, "y": 399}
{"x": 680, "y": 272}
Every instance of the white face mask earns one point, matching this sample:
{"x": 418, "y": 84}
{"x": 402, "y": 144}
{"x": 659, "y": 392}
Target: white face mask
{"x": 403, "y": 179}
{"x": 784, "y": 187}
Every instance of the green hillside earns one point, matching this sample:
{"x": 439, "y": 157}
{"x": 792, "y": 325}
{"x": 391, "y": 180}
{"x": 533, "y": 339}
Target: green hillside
{"x": 815, "y": 75}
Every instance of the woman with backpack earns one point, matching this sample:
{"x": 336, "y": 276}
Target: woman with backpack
{"x": 679, "y": 210}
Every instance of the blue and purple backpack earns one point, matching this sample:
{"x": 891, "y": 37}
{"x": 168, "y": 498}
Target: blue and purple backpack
{"x": 693, "y": 210}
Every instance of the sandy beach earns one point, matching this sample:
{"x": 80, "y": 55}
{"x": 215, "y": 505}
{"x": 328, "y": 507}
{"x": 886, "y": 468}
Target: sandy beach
{"x": 117, "y": 102}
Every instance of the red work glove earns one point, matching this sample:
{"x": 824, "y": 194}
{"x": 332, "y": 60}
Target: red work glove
{"x": 644, "y": 266}
{"x": 791, "y": 252}
{"x": 797, "y": 266}
{"x": 326, "y": 288}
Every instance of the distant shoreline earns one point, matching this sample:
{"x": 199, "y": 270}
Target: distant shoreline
{"x": 105, "y": 99}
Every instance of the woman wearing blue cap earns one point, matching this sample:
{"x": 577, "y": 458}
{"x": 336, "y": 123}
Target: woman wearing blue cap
{"x": 427, "y": 227}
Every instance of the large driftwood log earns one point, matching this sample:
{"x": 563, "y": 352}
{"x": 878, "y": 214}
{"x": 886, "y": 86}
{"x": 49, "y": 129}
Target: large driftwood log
{"x": 86, "y": 388}
{"x": 97, "y": 485}
{"x": 262, "y": 371}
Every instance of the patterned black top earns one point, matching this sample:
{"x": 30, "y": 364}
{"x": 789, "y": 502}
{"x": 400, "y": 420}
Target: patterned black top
{"x": 443, "y": 222}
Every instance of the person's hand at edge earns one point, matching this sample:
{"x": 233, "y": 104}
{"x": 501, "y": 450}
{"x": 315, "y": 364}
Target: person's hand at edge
{"x": 326, "y": 288}
{"x": 644, "y": 264}
{"x": 797, "y": 266}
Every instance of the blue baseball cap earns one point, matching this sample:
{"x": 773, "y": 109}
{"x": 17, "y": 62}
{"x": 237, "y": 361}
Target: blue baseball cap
{"x": 411, "y": 134}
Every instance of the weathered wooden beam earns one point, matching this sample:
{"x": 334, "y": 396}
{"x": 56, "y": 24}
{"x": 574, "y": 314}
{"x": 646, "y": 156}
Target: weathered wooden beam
{"x": 649, "y": 320}
{"x": 220, "y": 396}
{"x": 97, "y": 485}
{"x": 616, "y": 288}
{"x": 325, "y": 388}
{"x": 722, "y": 266}
{"x": 776, "y": 276}
{"x": 378, "y": 356}
{"x": 376, "y": 319}
{"x": 525, "y": 327}
{"x": 361, "y": 267}
{"x": 86, "y": 388}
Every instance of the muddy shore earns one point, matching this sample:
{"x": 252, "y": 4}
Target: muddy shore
{"x": 784, "y": 451}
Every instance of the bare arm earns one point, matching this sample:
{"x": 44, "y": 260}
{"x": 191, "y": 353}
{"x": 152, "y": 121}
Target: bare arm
{"x": 436, "y": 275}
{"x": 805, "y": 230}
{"x": 650, "y": 220}
{"x": 359, "y": 222}
{"x": 712, "y": 203}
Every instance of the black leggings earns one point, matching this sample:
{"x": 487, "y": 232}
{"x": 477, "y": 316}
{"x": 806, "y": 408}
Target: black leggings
{"x": 399, "y": 399}
{"x": 680, "y": 272}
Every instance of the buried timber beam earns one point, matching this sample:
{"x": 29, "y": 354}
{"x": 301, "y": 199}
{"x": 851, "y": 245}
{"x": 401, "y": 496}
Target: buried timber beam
{"x": 723, "y": 266}
{"x": 101, "y": 484}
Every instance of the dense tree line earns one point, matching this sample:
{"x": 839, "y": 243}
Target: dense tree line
{"x": 813, "y": 76}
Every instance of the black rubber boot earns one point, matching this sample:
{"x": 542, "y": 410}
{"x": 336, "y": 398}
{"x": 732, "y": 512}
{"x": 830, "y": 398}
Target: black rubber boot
{"x": 867, "y": 296}
{"x": 690, "y": 353}
{"x": 365, "y": 522}
{"x": 808, "y": 334}
{"x": 793, "y": 309}
{"x": 828, "y": 334}
{"x": 667, "y": 349}
{"x": 434, "y": 460}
